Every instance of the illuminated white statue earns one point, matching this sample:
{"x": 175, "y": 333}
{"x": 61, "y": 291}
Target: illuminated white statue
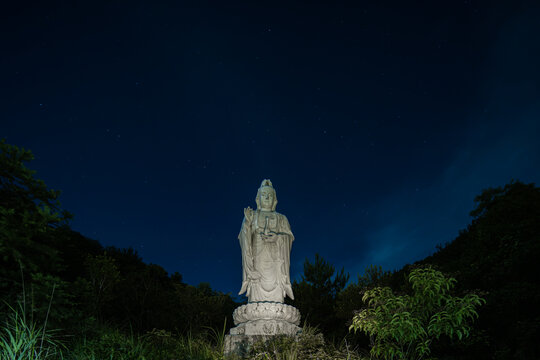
{"x": 266, "y": 240}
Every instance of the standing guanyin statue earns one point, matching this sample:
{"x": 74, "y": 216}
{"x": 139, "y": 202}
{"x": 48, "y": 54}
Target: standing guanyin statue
{"x": 266, "y": 240}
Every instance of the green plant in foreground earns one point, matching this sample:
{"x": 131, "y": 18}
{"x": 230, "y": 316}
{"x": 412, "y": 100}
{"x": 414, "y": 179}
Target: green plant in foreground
{"x": 219, "y": 338}
{"x": 157, "y": 344}
{"x": 24, "y": 340}
{"x": 197, "y": 348}
{"x": 308, "y": 345}
{"x": 110, "y": 344}
{"x": 404, "y": 327}
{"x": 166, "y": 346}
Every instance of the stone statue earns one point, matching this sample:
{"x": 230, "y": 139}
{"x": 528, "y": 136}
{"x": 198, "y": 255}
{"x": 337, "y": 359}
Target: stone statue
{"x": 266, "y": 240}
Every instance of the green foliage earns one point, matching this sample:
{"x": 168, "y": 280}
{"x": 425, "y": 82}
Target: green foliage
{"x": 308, "y": 345}
{"x": 197, "y": 348}
{"x": 110, "y": 344}
{"x": 348, "y": 299}
{"x": 92, "y": 286}
{"x": 23, "y": 196}
{"x": 74, "y": 249}
{"x": 203, "y": 308}
{"x": 219, "y": 336}
{"x": 157, "y": 344}
{"x": 133, "y": 295}
{"x": 103, "y": 276}
{"x": 404, "y": 326}
{"x": 49, "y": 297}
{"x": 23, "y": 339}
{"x": 316, "y": 293}
{"x": 31, "y": 225}
{"x": 29, "y": 214}
{"x": 319, "y": 276}
{"x": 498, "y": 254}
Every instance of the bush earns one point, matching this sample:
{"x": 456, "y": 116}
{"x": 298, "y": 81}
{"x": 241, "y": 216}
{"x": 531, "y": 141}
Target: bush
{"x": 404, "y": 327}
{"x": 308, "y": 345}
{"x": 110, "y": 344}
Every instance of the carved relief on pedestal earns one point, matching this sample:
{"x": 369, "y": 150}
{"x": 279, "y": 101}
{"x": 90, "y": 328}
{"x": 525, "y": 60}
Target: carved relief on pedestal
{"x": 268, "y": 311}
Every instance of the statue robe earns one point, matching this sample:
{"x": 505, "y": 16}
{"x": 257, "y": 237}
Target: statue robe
{"x": 265, "y": 265}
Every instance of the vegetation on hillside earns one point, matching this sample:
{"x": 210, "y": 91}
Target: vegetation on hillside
{"x": 107, "y": 303}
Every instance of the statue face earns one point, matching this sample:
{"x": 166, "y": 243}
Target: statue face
{"x": 266, "y": 198}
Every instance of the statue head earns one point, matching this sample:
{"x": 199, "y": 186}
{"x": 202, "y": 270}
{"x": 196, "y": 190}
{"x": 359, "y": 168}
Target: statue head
{"x": 266, "y": 196}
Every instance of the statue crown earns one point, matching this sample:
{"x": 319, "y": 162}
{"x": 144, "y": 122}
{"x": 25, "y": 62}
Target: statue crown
{"x": 266, "y": 182}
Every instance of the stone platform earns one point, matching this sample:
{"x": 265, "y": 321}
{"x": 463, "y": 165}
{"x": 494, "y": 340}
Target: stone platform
{"x": 258, "y": 321}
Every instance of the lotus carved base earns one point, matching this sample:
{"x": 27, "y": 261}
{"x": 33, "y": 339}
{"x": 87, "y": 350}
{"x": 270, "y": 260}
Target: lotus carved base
{"x": 266, "y": 310}
{"x": 261, "y": 320}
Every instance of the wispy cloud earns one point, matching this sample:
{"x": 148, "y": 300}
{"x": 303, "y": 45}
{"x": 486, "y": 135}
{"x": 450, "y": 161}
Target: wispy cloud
{"x": 411, "y": 223}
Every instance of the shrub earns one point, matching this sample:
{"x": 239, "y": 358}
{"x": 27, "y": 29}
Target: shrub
{"x": 404, "y": 327}
{"x": 308, "y": 345}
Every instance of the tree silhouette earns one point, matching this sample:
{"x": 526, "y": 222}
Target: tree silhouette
{"x": 316, "y": 293}
{"x": 498, "y": 253}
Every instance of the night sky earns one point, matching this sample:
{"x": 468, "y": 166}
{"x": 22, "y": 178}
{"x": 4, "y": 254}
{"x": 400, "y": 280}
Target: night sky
{"x": 378, "y": 123}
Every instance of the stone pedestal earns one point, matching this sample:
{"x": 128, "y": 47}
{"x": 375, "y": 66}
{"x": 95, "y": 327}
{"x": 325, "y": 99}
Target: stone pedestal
{"x": 258, "y": 321}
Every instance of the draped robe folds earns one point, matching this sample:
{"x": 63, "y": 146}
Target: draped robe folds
{"x": 265, "y": 265}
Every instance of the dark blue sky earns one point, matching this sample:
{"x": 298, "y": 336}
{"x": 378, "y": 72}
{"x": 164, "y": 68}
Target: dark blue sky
{"x": 378, "y": 123}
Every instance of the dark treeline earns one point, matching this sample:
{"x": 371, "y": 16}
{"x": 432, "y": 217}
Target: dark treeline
{"x": 92, "y": 286}
{"x": 496, "y": 257}
{"x": 45, "y": 264}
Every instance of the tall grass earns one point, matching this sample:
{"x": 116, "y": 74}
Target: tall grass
{"x": 308, "y": 345}
{"x": 22, "y": 340}
{"x": 219, "y": 338}
{"x": 110, "y": 344}
{"x": 25, "y": 340}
